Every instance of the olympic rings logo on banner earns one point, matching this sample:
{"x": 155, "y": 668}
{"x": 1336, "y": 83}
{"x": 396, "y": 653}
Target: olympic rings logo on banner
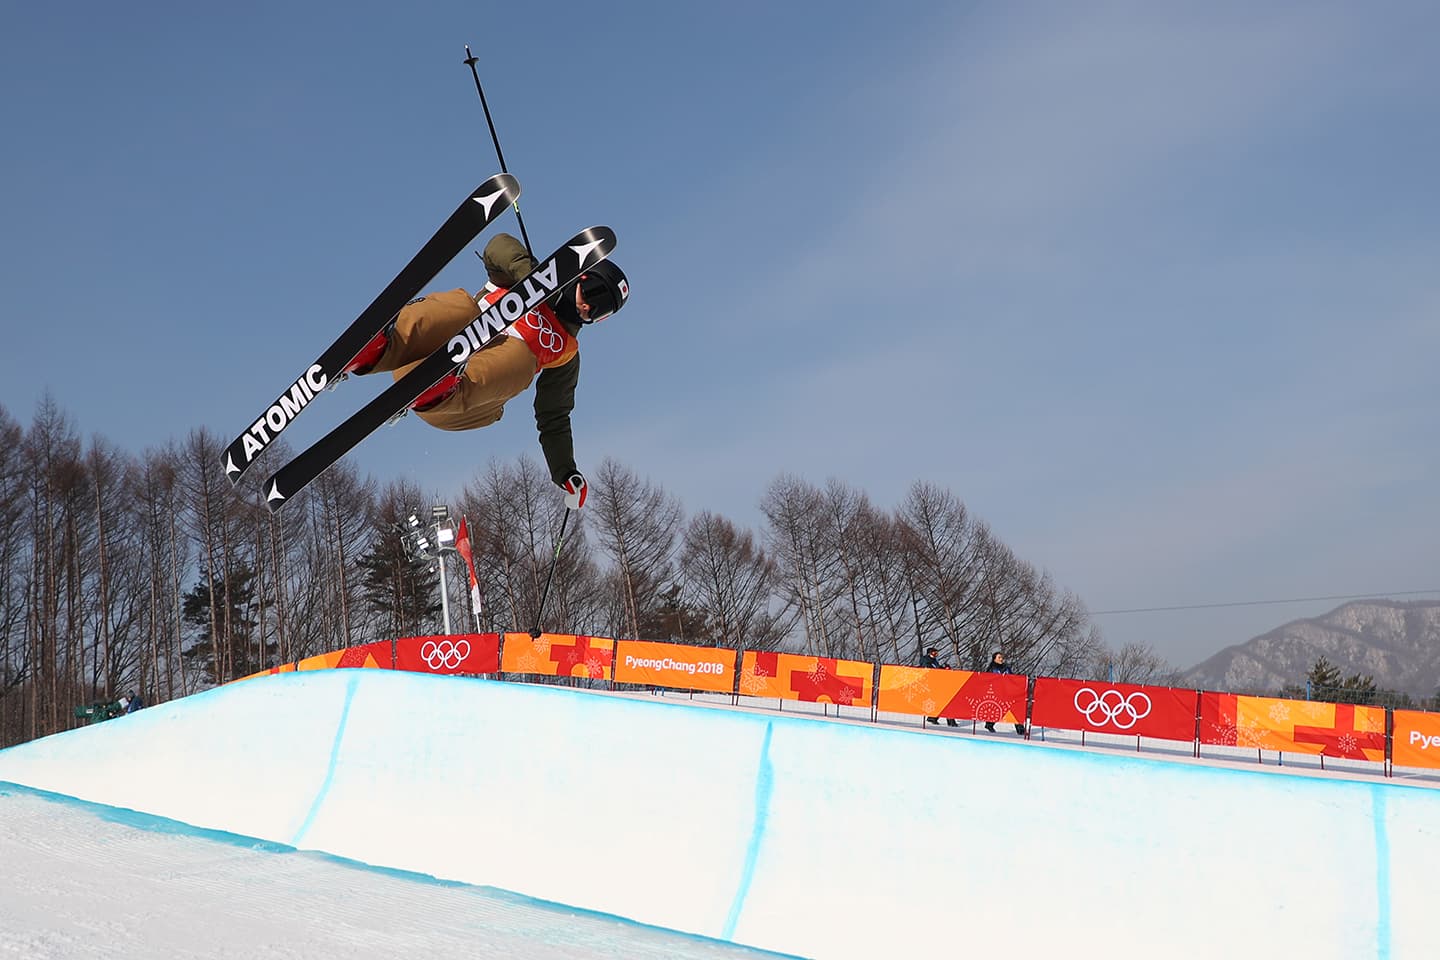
{"x": 1112, "y": 707}
{"x": 445, "y": 654}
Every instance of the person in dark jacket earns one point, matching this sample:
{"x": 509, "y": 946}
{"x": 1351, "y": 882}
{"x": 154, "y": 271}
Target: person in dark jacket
{"x": 998, "y": 665}
{"x": 541, "y": 347}
{"x": 931, "y": 660}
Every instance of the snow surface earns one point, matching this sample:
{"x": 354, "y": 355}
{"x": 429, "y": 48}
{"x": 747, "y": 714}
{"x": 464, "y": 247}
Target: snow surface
{"x": 80, "y": 882}
{"x": 811, "y": 837}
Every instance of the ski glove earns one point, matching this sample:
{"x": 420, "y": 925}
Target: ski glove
{"x": 575, "y": 491}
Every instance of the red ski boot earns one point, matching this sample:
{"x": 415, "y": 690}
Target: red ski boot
{"x": 366, "y": 359}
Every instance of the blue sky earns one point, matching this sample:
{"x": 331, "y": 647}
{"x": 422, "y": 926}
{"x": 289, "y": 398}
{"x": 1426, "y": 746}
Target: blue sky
{"x": 1151, "y": 287}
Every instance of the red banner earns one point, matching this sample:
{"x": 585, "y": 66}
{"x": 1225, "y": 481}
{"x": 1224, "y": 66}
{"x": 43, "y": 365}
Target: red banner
{"x": 453, "y": 653}
{"x": 953, "y": 694}
{"x": 1162, "y": 712}
{"x": 375, "y": 654}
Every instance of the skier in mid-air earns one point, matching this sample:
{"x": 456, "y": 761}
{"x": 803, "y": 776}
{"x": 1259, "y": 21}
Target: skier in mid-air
{"x": 542, "y": 342}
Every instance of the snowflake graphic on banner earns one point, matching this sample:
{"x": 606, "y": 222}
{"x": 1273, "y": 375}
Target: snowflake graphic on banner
{"x": 913, "y": 687}
{"x": 1226, "y": 732}
{"x": 1248, "y": 735}
{"x": 1280, "y": 711}
{"x": 1349, "y": 746}
{"x": 751, "y": 684}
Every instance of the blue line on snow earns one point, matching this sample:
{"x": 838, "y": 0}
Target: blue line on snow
{"x": 324, "y": 790}
{"x": 764, "y": 787}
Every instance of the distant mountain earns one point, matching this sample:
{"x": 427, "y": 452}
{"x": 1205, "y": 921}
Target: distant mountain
{"x": 1396, "y": 643}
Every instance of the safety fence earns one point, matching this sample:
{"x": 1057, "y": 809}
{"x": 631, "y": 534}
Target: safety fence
{"x": 1376, "y": 735}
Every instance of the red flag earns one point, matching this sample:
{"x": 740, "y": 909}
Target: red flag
{"x": 462, "y": 544}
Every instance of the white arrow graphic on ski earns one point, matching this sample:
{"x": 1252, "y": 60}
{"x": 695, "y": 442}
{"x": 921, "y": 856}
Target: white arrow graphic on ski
{"x": 488, "y": 201}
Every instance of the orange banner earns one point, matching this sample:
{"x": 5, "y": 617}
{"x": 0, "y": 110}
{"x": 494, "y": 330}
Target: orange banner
{"x": 558, "y": 655}
{"x": 1416, "y": 739}
{"x": 788, "y": 676}
{"x": 374, "y": 655}
{"x": 283, "y": 668}
{"x": 675, "y": 666}
{"x": 952, "y": 694}
{"x": 368, "y": 655}
{"x": 1293, "y": 726}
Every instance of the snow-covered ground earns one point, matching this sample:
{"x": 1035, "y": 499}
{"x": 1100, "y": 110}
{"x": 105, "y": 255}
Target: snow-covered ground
{"x": 807, "y": 836}
{"x": 79, "y": 882}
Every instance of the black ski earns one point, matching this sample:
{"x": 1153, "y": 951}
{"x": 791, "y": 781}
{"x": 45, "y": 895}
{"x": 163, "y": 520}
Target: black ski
{"x": 474, "y": 214}
{"x": 585, "y": 249}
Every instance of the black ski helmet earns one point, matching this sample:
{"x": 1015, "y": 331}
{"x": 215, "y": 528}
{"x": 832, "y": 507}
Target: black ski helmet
{"x": 604, "y": 288}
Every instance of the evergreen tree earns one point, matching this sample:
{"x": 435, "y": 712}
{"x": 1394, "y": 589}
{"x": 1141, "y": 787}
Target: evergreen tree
{"x": 1323, "y": 680}
{"x": 404, "y": 589}
{"x": 239, "y": 649}
{"x": 673, "y": 619}
{"x": 1357, "y": 689}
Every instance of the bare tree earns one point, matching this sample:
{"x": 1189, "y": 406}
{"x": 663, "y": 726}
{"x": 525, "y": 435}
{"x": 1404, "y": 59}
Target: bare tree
{"x": 17, "y": 664}
{"x": 342, "y": 527}
{"x": 1054, "y": 629}
{"x": 515, "y": 515}
{"x": 805, "y": 567}
{"x": 1133, "y": 663}
{"x": 637, "y": 524}
{"x": 947, "y": 554}
{"x": 217, "y": 524}
{"x": 972, "y": 591}
{"x": 106, "y": 467}
{"x": 882, "y": 583}
{"x": 732, "y": 581}
{"x": 154, "y": 498}
{"x": 51, "y": 462}
{"x": 499, "y": 558}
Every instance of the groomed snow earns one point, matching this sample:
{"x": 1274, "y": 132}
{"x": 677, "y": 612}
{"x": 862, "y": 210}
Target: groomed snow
{"x": 79, "y": 882}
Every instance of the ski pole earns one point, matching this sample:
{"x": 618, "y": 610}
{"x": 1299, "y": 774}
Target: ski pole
{"x": 470, "y": 61}
{"x": 559, "y": 542}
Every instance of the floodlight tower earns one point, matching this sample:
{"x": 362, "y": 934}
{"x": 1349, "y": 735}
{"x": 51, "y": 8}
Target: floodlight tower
{"x": 432, "y": 543}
